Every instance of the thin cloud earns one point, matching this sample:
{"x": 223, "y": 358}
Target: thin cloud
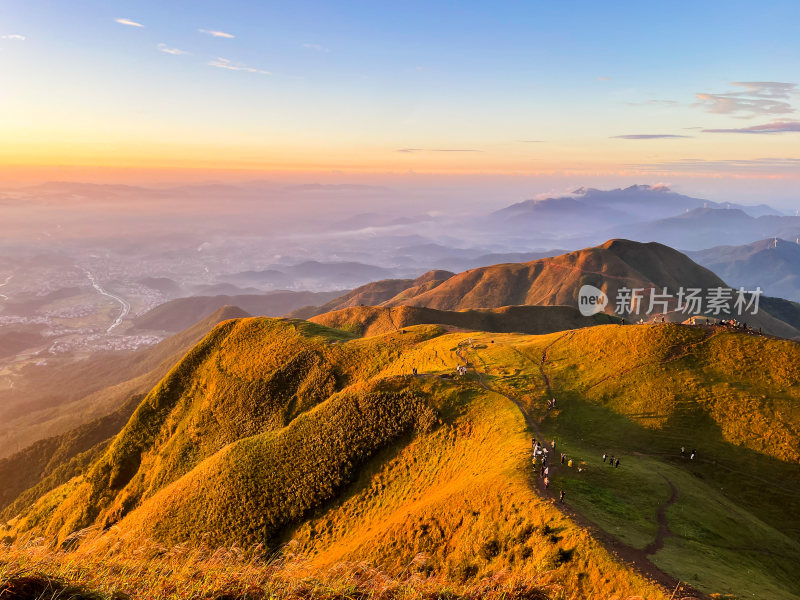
{"x": 13, "y": 36}
{"x": 649, "y": 136}
{"x": 128, "y": 22}
{"x": 531, "y": 141}
{"x": 774, "y": 127}
{"x": 604, "y": 79}
{"x": 410, "y": 150}
{"x": 224, "y": 63}
{"x": 757, "y": 98}
{"x": 653, "y": 102}
{"x": 217, "y": 34}
{"x": 173, "y": 51}
{"x": 760, "y": 165}
{"x": 316, "y": 47}
{"x": 765, "y": 89}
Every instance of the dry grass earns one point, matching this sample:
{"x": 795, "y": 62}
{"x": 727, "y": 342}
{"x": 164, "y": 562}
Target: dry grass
{"x": 153, "y": 572}
{"x": 272, "y": 402}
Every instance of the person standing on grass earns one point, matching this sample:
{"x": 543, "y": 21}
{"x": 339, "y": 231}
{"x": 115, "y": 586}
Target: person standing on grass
{"x": 561, "y": 496}
{"x": 546, "y": 483}
{"x": 605, "y": 456}
{"x": 694, "y": 452}
{"x": 683, "y": 451}
{"x": 616, "y": 464}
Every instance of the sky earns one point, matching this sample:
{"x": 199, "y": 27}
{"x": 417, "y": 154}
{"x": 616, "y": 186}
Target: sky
{"x": 699, "y": 92}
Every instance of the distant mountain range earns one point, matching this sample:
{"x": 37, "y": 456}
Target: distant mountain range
{"x": 704, "y": 227}
{"x": 377, "y": 293}
{"x": 556, "y": 281}
{"x": 772, "y": 264}
{"x": 310, "y": 273}
{"x": 180, "y": 313}
{"x": 590, "y": 209}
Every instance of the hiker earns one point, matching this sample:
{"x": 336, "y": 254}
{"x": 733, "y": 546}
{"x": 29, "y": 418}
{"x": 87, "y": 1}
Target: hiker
{"x": 683, "y": 451}
{"x": 616, "y": 464}
{"x": 547, "y": 471}
{"x": 563, "y": 458}
{"x": 611, "y": 460}
{"x": 534, "y": 443}
{"x": 554, "y": 402}
{"x": 541, "y": 471}
{"x": 569, "y": 463}
{"x": 553, "y": 444}
{"x": 605, "y": 456}
{"x": 414, "y": 370}
{"x": 694, "y": 452}
{"x": 546, "y": 483}
{"x": 561, "y": 496}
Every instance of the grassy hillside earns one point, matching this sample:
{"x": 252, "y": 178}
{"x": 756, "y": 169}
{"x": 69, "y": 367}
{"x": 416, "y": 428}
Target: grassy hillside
{"x": 640, "y": 393}
{"x": 274, "y": 431}
{"x": 53, "y": 460}
{"x": 377, "y": 292}
{"x": 311, "y": 441}
{"x": 373, "y": 320}
{"x": 556, "y": 281}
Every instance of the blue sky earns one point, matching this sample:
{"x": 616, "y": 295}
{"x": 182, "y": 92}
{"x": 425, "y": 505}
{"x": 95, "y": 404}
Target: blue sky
{"x": 377, "y": 86}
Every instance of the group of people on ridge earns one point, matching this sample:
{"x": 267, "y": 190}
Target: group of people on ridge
{"x": 611, "y": 460}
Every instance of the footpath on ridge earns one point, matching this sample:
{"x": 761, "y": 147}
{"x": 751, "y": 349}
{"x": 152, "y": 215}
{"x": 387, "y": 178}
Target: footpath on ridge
{"x": 638, "y": 559}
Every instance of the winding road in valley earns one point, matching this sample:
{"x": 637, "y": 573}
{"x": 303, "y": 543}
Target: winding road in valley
{"x": 124, "y": 304}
